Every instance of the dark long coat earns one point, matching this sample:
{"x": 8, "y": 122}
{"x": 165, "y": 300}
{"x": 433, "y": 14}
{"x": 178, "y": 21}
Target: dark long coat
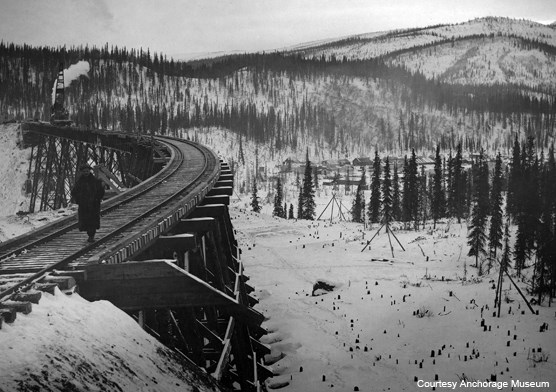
{"x": 88, "y": 193}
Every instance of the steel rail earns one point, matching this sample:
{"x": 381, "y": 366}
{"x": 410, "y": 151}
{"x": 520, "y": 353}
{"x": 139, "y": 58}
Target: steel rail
{"x": 25, "y": 241}
{"x": 38, "y": 275}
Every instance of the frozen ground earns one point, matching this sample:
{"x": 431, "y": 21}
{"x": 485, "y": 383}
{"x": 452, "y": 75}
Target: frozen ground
{"x": 365, "y": 333}
{"x": 69, "y": 344}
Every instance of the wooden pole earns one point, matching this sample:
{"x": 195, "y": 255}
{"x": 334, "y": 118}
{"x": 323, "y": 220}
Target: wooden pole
{"x": 369, "y": 241}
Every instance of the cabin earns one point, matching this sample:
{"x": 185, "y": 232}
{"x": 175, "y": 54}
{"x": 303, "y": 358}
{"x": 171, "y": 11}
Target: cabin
{"x": 362, "y": 162}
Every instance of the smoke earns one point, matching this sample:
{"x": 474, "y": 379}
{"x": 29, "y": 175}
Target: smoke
{"x": 70, "y": 74}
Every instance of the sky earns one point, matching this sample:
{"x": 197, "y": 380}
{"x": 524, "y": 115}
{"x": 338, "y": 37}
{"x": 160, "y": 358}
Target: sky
{"x": 180, "y": 27}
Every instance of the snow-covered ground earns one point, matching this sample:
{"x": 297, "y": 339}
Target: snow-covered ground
{"x": 366, "y": 333}
{"x": 69, "y": 344}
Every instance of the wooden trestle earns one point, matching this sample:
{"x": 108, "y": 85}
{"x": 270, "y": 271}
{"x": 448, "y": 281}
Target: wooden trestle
{"x": 120, "y": 160}
{"x": 189, "y": 290}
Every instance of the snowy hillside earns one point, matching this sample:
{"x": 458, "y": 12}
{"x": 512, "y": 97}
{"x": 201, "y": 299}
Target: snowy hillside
{"x": 366, "y": 46}
{"x": 481, "y": 51}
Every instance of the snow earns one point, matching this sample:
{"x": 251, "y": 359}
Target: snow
{"x": 67, "y": 343}
{"x": 378, "y": 44}
{"x": 13, "y": 170}
{"x": 373, "y": 307}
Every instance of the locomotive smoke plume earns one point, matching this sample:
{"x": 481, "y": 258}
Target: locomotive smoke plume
{"x": 70, "y": 74}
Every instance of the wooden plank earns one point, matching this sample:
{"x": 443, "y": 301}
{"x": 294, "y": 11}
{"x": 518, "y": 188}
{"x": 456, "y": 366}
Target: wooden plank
{"x": 221, "y": 190}
{"x": 195, "y": 225}
{"x": 24, "y": 307}
{"x": 264, "y": 372}
{"x": 177, "y": 242}
{"x": 8, "y": 314}
{"x": 260, "y": 348}
{"x": 63, "y": 282}
{"x": 217, "y": 199}
{"x": 221, "y": 183}
{"x": 76, "y": 274}
{"x": 209, "y": 334}
{"x": 49, "y": 288}
{"x": 225, "y": 356}
{"x": 209, "y": 210}
{"x": 157, "y": 284}
{"x": 31, "y": 296}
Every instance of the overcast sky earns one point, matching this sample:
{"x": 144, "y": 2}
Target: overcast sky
{"x": 176, "y": 27}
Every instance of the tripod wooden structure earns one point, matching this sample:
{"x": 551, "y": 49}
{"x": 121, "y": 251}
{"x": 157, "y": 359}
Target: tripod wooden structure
{"x": 388, "y": 232}
{"x": 331, "y": 205}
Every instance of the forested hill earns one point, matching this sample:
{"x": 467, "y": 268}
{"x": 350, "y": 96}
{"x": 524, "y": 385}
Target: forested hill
{"x": 481, "y": 82}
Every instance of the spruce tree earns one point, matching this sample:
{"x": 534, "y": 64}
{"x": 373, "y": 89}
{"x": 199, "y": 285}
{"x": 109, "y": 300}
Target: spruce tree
{"x": 358, "y": 207}
{"x": 290, "y": 213}
{"x": 514, "y": 182}
{"x": 396, "y": 206}
{"x": 308, "y": 192}
{"x": 413, "y": 190}
{"x": 527, "y": 205}
{"x": 458, "y": 188}
{"x": 374, "y": 203}
{"x": 386, "y": 193}
{"x": 406, "y": 211}
{"x": 255, "y": 198}
{"x": 300, "y": 204}
{"x": 477, "y": 230}
{"x": 495, "y": 230}
{"x": 438, "y": 204}
{"x": 278, "y": 210}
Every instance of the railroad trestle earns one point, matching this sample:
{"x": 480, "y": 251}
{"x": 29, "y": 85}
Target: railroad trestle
{"x": 179, "y": 274}
{"x": 121, "y": 161}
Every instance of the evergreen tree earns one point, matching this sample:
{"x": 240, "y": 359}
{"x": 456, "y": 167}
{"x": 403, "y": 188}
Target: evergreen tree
{"x": 514, "y": 182}
{"x": 477, "y": 230}
{"x": 527, "y": 205}
{"x": 374, "y": 203}
{"x": 396, "y": 206}
{"x": 386, "y": 193}
{"x": 300, "y": 204}
{"x": 406, "y": 212}
{"x": 278, "y": 210}
{"x": 411, "y": 191}
{"x": 315, "y": 178}
{"x": 457, "y": 186}
{"x": 290, "y": 213}
{"x": 308, "y": 192}
{"x": 241, "y": 157}
{"x": 521, "y": 252}
{"x": 358, "y": 207}
{"x": 255, "y": 198}
{"x": 438, "y": 204}
{"x": 495, "y": 230}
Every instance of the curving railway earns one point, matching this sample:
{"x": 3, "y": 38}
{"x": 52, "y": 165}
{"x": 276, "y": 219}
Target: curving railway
{"x": 166, "y": 197}
{"x": 165, "y": 254}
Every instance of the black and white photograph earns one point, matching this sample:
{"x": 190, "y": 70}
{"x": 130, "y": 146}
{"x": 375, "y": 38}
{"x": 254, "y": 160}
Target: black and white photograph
{"x": 277, "y": 195}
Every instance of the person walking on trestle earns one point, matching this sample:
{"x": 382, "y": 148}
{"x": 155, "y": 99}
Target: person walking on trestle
{"x": 88, "y": 193}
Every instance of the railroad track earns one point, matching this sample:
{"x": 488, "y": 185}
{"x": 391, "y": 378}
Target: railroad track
{"x": 129, "y": 221}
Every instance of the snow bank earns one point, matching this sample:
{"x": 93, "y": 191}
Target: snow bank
{"x": 67, "y": 343}
{"x": 13, "y": 170}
